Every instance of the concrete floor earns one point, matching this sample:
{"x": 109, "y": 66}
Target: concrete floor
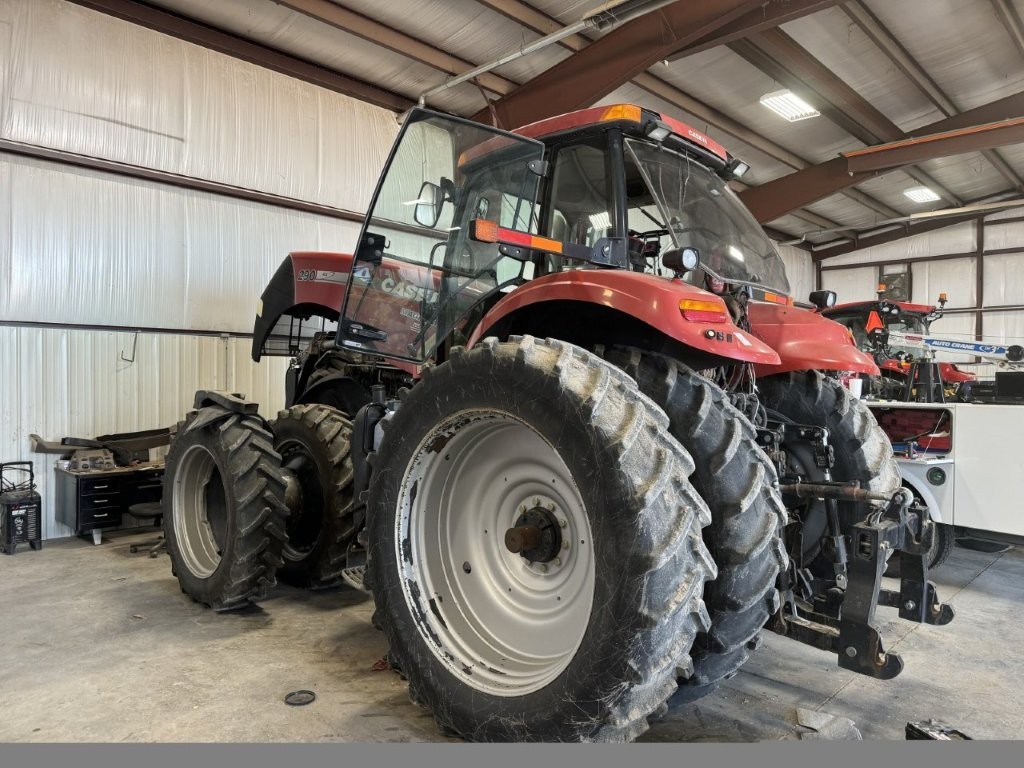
{"x": 100, "y": 645}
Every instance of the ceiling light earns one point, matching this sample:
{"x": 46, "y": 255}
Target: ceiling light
{"x": 921, "y": 195}
{"x": 788, "y": 105}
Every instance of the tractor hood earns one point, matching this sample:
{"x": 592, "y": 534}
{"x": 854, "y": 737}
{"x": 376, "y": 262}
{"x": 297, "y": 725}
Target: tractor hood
{"x": 805, "y": 340}
{"x": 303, "y": 296}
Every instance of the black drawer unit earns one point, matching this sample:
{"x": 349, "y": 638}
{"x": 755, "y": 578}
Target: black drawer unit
{"x": 91, "y": 502}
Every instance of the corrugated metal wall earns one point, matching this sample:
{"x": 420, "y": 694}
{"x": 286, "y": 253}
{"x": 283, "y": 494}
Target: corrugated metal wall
{"x": 83, "y": 247}
{"x": 1002, "y": 278}
{"x": 61, "y": 382}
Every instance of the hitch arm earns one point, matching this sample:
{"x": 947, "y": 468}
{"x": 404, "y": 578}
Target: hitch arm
{"x": 860, "y": 645}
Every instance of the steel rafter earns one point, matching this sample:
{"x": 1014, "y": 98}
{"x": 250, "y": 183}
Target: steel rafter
{"x": 779, "y": 56}
{"x": 785, "y": 194}
{"x": 528, "y": 16}
{"x": 613, "y": 60}
{"x": 915, "y": 73}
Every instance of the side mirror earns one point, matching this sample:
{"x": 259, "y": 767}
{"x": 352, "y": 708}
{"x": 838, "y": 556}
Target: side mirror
{"x": 681, "y": 260}
{"x": 429, "y": 203}
{"x": 823, "y": 299}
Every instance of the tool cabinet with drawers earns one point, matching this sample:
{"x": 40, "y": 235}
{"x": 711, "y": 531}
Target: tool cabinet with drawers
{"x": 95, "y": 501}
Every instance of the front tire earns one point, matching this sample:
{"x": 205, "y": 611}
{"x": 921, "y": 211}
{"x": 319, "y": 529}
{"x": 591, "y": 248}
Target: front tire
{"x": 315, "y": 442}
{"x": 224, "y": 509}
{"x": 556, "y": 642}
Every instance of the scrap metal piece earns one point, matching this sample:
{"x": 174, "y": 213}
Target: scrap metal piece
{"x": 827, "y": 727}
{"x": 934, "y": 730}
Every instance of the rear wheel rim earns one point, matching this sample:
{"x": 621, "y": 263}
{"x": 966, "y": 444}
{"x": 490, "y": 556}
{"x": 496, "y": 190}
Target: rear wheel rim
{"x": 503, "y": 624}
{"x": 199, "y": 510}
{"x": 306, "y": 519}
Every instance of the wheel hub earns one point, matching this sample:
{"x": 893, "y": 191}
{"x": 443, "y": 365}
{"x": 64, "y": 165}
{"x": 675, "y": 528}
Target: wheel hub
{"x": 536, "y": 536}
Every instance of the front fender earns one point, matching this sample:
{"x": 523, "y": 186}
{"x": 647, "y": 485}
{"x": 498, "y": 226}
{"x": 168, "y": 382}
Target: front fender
{"x": 805, "y": 340}
{"x": 650, "y": 299}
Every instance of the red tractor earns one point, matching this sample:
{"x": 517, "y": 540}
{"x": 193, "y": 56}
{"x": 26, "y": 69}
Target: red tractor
{"x": 870, "y": 322}
{"x": 558, "y": 414}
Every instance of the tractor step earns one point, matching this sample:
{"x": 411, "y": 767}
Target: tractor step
{"x": 354, "y": 577}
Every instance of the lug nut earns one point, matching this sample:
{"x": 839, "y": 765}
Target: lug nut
{"x": 851, "y": 651}
{"x": 536, "y": 501}
{"x": 910, "y": 605}
{"x": 543, "y": 567}
{"x": 562, "y": 523}
{"x": 565, "y": 545}
{"x": 558, "y": 561}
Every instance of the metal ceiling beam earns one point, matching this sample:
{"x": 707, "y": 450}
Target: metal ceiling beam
{"x": 915, "y": 73}
{"x": 1007, "y": 14}
{"x": 788, "y": 193}
{"x": 613, "y": 60}
{"x": 780, "y": 57}
{"x": 240, "y": 48}
{"x": 773, "y": 13}
{"x": 524, "y": 14}
{"x": 899, "y": 153}
{"x": 380, "y": 34}
{"x": 890, "y": 234}
{"x": 531, "y": 18}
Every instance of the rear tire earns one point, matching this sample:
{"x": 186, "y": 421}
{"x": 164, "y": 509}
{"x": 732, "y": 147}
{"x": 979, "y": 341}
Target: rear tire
{"x": 500, "y": 648}
{"x": 315, "y": 443}
{"x": 863, "y": 453}
{"x": 224, "y": 508}
{"x": 739, "y": 484}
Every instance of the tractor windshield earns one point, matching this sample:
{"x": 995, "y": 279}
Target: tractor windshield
{"x": 700, "y": 211}
{"x": 417, "y": 273}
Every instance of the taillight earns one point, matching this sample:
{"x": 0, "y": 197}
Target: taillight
{"x": 703, "y": 311}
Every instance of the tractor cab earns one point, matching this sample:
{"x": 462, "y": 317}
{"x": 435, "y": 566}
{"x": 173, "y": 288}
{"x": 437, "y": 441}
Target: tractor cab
{"x": 465, "y": 214}
{"x": 872, "y": 322}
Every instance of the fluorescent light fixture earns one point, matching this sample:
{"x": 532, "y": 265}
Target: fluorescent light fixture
{"x": 787, "y": 104}
{"x": 921, "y": 195}
{"x": 601, "y": 220}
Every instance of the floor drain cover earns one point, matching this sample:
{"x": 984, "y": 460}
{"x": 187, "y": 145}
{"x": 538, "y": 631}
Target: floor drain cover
{"x": 300, "y": 698}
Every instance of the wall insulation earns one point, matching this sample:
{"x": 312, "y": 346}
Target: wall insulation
{"x": 61, "y": 382}
{"x": 1002, "y": 279}
{"x": 799, "y": 270}
{"x": 109, "y": 254}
